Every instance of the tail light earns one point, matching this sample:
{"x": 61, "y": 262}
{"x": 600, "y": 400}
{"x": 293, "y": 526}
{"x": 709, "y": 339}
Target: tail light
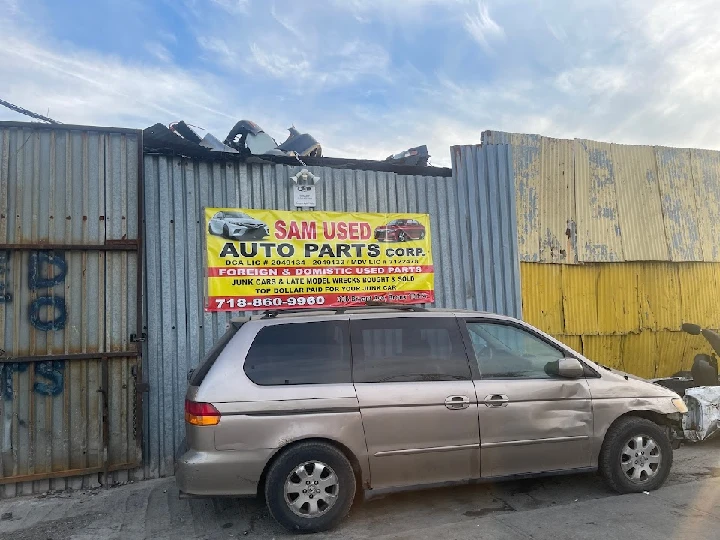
{"x": 201, "y": 414}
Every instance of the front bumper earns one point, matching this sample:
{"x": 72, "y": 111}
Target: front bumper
{"x": 702, "y": 422}
{"x": 248, "y": 234}
{"x": 221, "y": 472}
{"x": 386, "y": 236}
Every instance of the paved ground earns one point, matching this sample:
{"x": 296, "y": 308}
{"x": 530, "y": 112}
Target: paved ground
{"x": 557, "y": 508}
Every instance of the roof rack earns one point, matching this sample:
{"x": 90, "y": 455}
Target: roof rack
{"x": 271, "y": 314}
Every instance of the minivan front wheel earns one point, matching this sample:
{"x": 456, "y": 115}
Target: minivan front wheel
{"x": 636, "y": 456}
{"x": 310, "y": 487}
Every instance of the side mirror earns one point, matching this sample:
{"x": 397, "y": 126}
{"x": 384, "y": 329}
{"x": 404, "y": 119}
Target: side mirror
{"x": 567, "y": 368}
{"x": 692, "y": 329}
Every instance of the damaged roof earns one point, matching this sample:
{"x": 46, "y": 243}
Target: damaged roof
{"x": 158, "y": 139}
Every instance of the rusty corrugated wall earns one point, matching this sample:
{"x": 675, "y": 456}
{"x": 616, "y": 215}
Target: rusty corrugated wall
{"x": 638, "y": 204}
{"x": 639, "y": 253}
{"x": 585, "y": 201}
{"x": 68, "y": 304}
{"x": 474, "y": 252}
{"x": 598, "y": 223}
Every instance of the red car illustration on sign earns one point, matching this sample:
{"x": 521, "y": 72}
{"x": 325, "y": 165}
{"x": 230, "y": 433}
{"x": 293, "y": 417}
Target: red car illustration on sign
{"x": 400, "y": 230}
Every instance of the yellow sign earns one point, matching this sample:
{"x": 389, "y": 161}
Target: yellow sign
{"x": 275, "y": 259}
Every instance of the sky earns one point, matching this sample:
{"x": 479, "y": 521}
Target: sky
{"x": 369, "y": 78}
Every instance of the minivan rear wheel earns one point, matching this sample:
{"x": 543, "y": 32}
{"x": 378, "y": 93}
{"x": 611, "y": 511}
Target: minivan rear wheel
{"x": 636, "y": 456}
{"x": 310, "y": 487}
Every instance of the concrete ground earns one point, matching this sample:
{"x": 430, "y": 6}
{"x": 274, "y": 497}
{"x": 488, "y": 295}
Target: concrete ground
{"x": 577, "y": 507}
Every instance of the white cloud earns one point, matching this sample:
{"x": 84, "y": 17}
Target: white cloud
{"x": 87, "y": 88}
{"x": 594, "y": 80}
{"x": 482, "y": 27}
{"x": 233, "y": 7}
{"x": 11, "y": 7}
{"x": 357, "y": 59}
{"x": 557, "y": 31}
{"x": 286, "y": 22}
{"x": 286, "y": 58}
{"x": 350, "y": 64}
{"x": 409, "y": 10}
{"x": 660, "y": 85}
{"x": 643, "y": 73}
{"x": 290, "y": 64}
{"x": 220, "y": 51}
{"x": 167, "y": 37}
{"x": 159, "y": 51}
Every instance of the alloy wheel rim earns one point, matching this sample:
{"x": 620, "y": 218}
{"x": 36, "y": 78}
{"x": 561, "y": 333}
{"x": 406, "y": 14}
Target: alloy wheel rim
{"x": 640, "y": 459}
{"x": 311, "y": 489}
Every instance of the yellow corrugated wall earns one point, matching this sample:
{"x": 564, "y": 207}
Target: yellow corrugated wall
{"x": 625, "y": 315}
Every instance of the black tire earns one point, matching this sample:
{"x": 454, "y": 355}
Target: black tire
{"x": 612, "y": 455}
{"x": 282, "y": 469}
{"x": 402, "y": 237}
{"x": 422, "y": 235}
{"x": 226, "y": 232}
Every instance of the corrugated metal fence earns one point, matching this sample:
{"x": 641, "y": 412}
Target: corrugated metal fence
{"x": 637, "y": 232}
{"x": 625, "y": 315}
{"x": 486, "y": 202}
{"x": 586, "y": 201}
{"x": 69, "y": 275}
{"x": 473, "y": 234}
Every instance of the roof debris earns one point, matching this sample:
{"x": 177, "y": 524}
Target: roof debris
{"x": 247, "y": 141}
{"x": 245, "y": 138}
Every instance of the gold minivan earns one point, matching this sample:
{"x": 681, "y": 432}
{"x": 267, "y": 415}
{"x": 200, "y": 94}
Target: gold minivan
{"x": 310, "y": 408}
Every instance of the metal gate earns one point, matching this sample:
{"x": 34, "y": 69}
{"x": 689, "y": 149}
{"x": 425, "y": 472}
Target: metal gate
{"x": 70, "y": 303}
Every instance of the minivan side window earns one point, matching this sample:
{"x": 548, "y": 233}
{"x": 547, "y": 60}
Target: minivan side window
{"x": 508, "y": 352}
{"x": 410, "y": 349}
{"x": 300, "y": 353}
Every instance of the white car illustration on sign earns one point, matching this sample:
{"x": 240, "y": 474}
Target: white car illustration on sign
{"x": 235, "y": 225}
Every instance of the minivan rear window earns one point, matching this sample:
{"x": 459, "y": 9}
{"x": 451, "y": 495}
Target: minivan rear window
{"x": 300, "y": 353}
{"x": 199, "y": 374}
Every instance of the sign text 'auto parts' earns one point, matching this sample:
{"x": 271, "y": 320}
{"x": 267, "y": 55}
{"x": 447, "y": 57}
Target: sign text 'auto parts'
{"x": 274, "y": 259}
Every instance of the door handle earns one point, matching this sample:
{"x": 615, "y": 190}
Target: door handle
{"x": 496, "y": 400}
{"x": 457, "y": 402}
